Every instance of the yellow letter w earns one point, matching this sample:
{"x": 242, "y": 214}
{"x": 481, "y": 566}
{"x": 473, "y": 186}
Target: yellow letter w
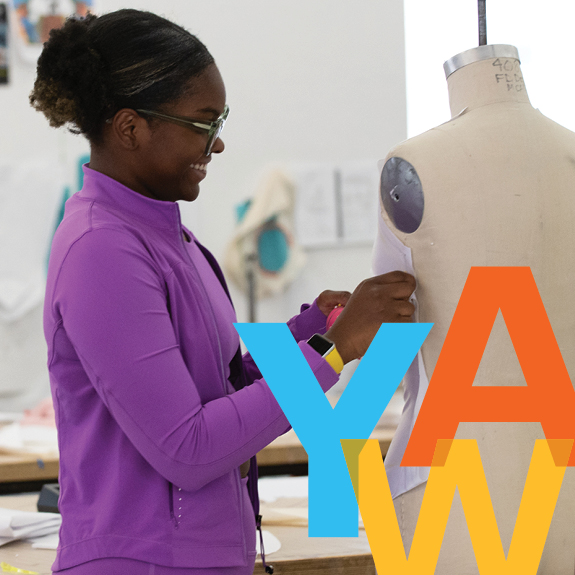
{"x": 457, "y": 464}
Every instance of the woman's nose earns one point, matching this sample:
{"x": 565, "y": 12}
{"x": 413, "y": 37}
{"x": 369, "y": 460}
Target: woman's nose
{"x": 219, "y": 146}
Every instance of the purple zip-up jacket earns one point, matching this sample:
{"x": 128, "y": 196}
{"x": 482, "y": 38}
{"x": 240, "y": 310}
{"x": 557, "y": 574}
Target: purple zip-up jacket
{"x": 150, "y": 431}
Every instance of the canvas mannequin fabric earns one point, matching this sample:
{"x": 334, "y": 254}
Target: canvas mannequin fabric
{"x": 497, "y": 182}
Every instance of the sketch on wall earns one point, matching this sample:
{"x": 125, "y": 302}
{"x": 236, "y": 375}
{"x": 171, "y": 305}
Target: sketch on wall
{"x": 33, "y": 20}
{"x": 336, "y": 204}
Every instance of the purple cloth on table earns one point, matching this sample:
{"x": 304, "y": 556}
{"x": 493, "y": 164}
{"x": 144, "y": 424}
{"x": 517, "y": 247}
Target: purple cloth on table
{"x": 151, "y": 432}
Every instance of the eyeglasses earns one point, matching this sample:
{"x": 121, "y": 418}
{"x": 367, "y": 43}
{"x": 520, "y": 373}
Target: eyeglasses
{"x": 214, "y": 129}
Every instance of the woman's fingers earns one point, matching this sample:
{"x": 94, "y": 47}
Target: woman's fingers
{"x": 377, "y": 300}
{"x": 329, "y": 299}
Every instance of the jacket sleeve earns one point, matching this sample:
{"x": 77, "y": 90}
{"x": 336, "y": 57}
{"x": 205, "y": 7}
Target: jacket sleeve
{"x": 112, "y": 302}
{"x": 310, "y": 320}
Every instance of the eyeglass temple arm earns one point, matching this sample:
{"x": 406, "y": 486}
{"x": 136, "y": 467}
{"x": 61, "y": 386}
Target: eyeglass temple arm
{"x": 172, "y": 118}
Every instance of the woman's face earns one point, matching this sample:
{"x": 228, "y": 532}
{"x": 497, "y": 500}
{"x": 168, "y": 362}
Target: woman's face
{"x": 173, "y": 160}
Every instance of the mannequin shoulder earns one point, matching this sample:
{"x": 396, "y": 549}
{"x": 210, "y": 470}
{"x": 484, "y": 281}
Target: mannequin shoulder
{"x": 412, "y": 162}
{"x": 416, "y": 168}
{"x": 560, "y": 134}
{"x": 429, "y": 148}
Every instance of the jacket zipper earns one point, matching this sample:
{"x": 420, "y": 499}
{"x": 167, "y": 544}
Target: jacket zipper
{"x": 238, "y": 478}
{"x": 212, "y": 315}
{"x": 171, "y": 497}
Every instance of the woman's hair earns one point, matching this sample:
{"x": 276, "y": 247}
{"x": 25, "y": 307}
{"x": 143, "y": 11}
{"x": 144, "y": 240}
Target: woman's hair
{"x": 94, "y": 66}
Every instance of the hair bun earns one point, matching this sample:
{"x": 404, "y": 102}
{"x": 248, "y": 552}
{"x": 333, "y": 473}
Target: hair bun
{"x": 71, "y": 78}
{"x": 94, "y": 66}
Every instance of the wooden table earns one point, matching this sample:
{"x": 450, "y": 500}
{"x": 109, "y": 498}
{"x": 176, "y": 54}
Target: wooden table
{"x": 16, "y": 468}
{"x": 285, "y": 450}
{"x": 299, "y": 553}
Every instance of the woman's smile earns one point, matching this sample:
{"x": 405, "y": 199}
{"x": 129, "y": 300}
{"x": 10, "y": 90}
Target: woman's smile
{"x": 200, "y": 170}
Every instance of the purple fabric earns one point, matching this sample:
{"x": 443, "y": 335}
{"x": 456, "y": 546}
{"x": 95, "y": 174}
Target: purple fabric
{"x": 151, "y": 433}
{"x": 122, "y": 566}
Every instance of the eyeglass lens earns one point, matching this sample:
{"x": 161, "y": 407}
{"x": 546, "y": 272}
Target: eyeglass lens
{"x": 213, "y": 138}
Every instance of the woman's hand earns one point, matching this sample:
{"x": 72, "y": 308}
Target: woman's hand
{"x": 329, "y": 299}
{"x": 377, "y": 300}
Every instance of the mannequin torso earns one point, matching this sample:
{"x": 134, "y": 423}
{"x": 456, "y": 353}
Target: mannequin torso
{"x": 498, "y": 187}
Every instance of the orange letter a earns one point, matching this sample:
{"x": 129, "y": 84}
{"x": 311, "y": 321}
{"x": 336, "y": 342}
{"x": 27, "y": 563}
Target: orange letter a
{"x": 548, "y": 398}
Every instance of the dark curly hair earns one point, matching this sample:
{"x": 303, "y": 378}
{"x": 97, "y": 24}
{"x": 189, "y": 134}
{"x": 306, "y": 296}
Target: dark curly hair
{"x": 94, "y": 66}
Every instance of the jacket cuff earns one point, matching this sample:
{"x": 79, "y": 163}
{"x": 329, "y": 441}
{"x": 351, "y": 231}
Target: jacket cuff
{"x": 323, "y": 372}
{"x": 309, "y": 321}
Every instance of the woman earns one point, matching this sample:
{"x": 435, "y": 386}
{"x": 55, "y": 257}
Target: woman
{"x": 143, "y": 357}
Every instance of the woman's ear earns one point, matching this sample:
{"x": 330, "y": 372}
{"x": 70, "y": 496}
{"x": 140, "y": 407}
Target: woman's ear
{"x": 129, "y": 129}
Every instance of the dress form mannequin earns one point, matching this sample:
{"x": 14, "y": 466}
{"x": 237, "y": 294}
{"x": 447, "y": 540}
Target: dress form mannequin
{"x": 494, "y": 186}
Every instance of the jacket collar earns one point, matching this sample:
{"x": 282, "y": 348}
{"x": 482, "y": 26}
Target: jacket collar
{"x": 121, "y": 199}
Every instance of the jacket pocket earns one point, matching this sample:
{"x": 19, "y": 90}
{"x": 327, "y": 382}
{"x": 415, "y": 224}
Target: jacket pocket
{"x": 171, "y": 504}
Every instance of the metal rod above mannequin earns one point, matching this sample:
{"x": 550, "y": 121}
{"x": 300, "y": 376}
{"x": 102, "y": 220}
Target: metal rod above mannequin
{"x": 482, "y": 22}
{"x": 251, "y": 261}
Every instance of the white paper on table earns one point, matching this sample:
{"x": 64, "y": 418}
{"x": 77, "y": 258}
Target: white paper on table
{"x": 316, "y": 210}
{"x": 4, "y": 540}
{"x": 271, "y": 543}
{"x": 45, "y": 541}
{"x": 10, "y": 416}
{"x": 23, "y": 524}
{"x": 359, "y": 184}
{"x": 37, "y": 439}
{"x": 272, "y": 488}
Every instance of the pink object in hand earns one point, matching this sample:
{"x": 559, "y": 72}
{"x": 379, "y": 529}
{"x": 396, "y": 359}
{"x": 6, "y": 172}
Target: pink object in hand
{"x": 333, "y": 315}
